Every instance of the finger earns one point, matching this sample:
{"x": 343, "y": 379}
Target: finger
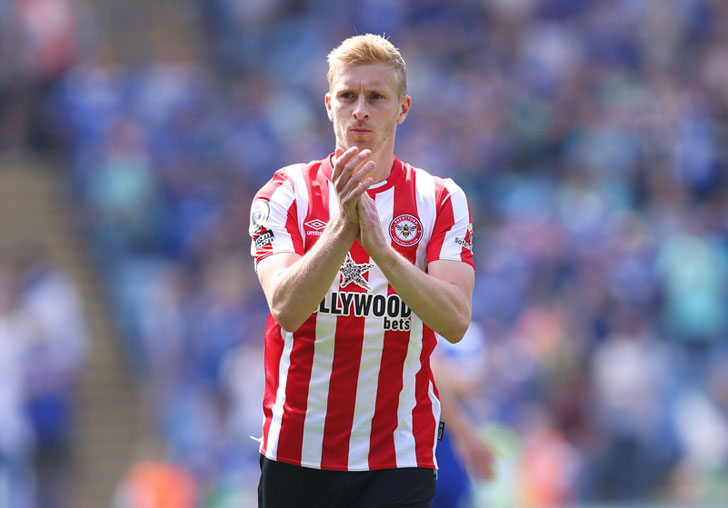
{"x": 486, "y": 467}
{"x": 361, "y": 159}
{"x": 347, "y": 187}
{"x": 367, "y": 209}
{"x": 354, "y": 164}
{"x": 362, "y": 172}
{"x": 478, "y": 471}
{"x": 337, "y": 153}
{"x": 341, "y": 157}
{"x": 352, "y": 167}
{"x": 355, "y": 195}
{"x": 353, "y": 199}
{"x": 358, "y": 170}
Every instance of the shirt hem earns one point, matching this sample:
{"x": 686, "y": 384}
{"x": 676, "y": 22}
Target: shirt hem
{"x": 350, "y": 469}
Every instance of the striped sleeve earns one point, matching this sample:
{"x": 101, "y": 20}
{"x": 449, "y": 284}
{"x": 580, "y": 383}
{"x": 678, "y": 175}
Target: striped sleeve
{"x": 274, "y": 219}
{"x": 452, "y": 236}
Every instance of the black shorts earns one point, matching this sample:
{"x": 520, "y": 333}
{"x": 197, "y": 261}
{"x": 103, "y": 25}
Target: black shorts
{"x": 287, "y": 486}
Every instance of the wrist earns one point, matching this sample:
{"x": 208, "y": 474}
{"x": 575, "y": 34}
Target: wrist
{"x": 384, "y": 255}
{"x": 341, "y": 224}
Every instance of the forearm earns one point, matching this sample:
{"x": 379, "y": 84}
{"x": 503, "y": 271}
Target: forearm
{"x": 450, "y": 411}
{"x": 474, "y": 453}
{"x": 441, "y": 305}
{"x": 295, "y": 291}
{"x": 295, "y": 285}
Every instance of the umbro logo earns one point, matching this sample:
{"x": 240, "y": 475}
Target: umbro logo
{"x": 316, "y": 225}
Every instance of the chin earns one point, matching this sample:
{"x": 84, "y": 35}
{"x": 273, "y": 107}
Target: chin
{"x": 361, "y": 144}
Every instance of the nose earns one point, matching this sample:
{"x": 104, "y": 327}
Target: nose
{"x": 360, "y": 110}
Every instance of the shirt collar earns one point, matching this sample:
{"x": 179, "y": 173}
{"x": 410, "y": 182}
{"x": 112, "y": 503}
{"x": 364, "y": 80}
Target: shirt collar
{"x": 327, "y": 168}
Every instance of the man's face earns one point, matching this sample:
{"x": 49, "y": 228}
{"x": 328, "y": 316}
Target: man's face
{"x": 365, "y": 107}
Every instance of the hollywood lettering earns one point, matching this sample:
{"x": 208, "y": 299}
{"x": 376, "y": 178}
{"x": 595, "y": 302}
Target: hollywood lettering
{"x": 392, "y": 309}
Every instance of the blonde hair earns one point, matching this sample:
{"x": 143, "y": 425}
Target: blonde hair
{"x": 368, "y": 49}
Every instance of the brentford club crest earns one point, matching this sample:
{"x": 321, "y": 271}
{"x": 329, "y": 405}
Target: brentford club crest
{"x": 405, "y": 230}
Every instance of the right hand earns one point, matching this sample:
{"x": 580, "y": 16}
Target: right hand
{"x": 351, "y": 179}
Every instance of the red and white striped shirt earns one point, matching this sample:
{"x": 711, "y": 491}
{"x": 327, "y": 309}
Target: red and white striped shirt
{"x": 352, "y": 388}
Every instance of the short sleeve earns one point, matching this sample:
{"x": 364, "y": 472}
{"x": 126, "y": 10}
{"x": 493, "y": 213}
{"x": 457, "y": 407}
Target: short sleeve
{"x": 452, "y": 235}
{"x": 273, "y": 223}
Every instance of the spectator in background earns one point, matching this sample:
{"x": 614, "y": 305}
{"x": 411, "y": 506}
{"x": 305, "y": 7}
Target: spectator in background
{"x": 39, "y": 45}
{"x": 122, "y": 193}
{"x": 462, "y": 454}
{"x": 155, "y": 483}
{"x": 58, "y": 355}
{"x": 18, "y": 332}
{"x": 631, "y": 387}
{"x": 43, "y": 343}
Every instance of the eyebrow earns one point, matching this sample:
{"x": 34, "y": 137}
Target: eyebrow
{"x": 344, "y": 87}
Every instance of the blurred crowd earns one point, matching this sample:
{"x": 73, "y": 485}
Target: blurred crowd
{"x": 592, "y": 140}
{"x": 43, "y": 346}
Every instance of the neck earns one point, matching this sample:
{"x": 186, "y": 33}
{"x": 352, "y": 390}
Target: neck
{"x": 384, "y": 162}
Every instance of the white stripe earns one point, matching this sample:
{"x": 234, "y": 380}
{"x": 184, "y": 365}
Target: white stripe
{"x": 385, "y": 207}
{"x": 426, "y": 211}
{"x": 333, "y": 200}
{"x": 436, "y": 415}
{"x": 405, "y": 445}
{"x": 371, "y": 357}
{"x": 404, "y": 440}
{"x": 275, "y": 426}
{"x": 280, "y": 201}
{"x": 450, "y": 248}
{"x": 367, "y": 382}
{"x": 301, "y": 189}
{"x": 318, "y": 388}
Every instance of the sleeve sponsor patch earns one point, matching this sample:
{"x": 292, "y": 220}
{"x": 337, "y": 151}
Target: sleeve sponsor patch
{"x": 467, "y": 241}
{"x": 264, "y": 239}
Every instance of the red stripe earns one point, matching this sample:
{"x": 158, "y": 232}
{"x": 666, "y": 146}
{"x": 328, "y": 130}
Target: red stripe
{"x": 405, "y": 201}
{"x": 466, "y": 255}
{"x": 381, "y": 445}
{"x": 318, "y": 202}
{"x": 290, "y": 441}
{"x": 318, "y": 191}
{"x": 340, "y": 409}
{"x": 423, "y": 421}
{"x": 279, "y": 178}
{"x": 381, "y": 449}
{"x": 292, "y": 228}
{"x": 272, "y": 359}
{"x": 444, "y": 222}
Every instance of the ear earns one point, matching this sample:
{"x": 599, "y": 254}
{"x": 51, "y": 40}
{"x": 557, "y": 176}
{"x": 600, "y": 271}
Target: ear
{"x": 327, "y": 102}
{"x": 404, "y": 106}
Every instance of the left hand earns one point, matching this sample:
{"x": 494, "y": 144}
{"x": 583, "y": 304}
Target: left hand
{"x": 475, "y": 454}
{"x": 371, "y": 235}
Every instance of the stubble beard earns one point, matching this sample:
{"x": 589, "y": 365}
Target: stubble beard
{"x": 375, "y": 143}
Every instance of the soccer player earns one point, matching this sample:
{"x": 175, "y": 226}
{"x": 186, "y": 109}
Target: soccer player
{"x": 363, "y": 260}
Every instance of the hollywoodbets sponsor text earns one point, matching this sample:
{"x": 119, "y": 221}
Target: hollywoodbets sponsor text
{"x": 391, "y": 308}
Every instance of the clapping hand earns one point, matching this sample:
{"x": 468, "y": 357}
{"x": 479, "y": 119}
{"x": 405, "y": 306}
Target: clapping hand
{"x": 351, "y": 178}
